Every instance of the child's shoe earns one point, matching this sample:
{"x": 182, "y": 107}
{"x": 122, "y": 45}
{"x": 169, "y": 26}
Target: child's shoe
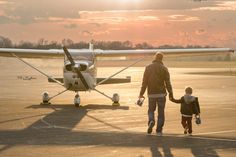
{"x": 185, "y": 130}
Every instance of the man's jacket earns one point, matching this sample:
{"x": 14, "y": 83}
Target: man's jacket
{"x": 156, "y": 79}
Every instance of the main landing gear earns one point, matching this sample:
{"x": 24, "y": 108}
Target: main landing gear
{"x": 116, "y": 99}
{"x": 45, "y": 99}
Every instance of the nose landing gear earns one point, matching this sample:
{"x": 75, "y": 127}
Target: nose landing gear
{"x": 77, "y": 100}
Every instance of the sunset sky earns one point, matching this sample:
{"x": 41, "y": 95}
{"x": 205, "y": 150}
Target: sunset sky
{"x": 158, "y": 22}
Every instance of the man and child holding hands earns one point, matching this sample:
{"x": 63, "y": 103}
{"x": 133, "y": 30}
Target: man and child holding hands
{"x": 156, "y": 79}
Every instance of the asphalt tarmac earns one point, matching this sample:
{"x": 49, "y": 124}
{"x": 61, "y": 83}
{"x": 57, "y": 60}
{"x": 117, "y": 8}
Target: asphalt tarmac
{"x": 97, "y": 129}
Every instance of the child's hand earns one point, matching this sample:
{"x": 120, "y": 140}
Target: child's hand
{"x": 171, "y": 98}
{"x": 198, "y": 119}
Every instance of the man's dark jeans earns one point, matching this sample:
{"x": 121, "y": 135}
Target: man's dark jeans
{"x": 160, "y": 103}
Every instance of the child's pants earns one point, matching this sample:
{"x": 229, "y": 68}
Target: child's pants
{"x": 187, "y": 122}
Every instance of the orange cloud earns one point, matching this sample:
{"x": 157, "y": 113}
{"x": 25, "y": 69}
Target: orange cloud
{"x": 5, "y": 2}
{"x": 221, "y": 6}
{"x": 147, "y": 18}
{"x": 183, "y": 18}
{"x": 157, "y": 27}
{"x": 95, "y": 33}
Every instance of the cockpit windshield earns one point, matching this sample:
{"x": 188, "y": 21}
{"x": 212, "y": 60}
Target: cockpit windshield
{"x": 81, "y": 56}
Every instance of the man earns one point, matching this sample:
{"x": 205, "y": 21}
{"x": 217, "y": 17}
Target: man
{"x": 157, "y": 79}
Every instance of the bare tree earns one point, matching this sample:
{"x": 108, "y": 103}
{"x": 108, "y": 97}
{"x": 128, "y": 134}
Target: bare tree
{"x": 5, "y": 42}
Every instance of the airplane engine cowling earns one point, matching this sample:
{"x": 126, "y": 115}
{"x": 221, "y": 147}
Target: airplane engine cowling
{"x": 83, "y": 67}
{"x": 80, "y": 67}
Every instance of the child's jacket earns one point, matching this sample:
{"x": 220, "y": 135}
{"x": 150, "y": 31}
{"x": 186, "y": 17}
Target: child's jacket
{"x": 189, "y": 105}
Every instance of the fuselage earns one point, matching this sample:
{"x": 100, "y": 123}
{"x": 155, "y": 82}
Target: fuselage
{"x": 87, "y": 62}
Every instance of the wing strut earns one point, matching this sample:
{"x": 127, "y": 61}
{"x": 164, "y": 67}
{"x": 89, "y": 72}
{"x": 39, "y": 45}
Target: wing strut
{"x": 37, "y": 69}
{"x": 58, "y": 94}
{"x": 121, "y": 71}
{"x": 102, "y": 93}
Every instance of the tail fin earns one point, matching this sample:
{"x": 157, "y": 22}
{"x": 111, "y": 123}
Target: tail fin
{"x": 91, "y": 46}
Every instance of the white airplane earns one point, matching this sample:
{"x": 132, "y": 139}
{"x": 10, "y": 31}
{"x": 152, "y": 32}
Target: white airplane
{"x": 79, "y": 71}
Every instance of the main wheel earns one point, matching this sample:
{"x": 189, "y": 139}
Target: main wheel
{"x": 45, "y": 99}
{"x": 116, "y": 99}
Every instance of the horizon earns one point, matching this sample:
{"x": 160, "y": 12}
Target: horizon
{"x": 129, "y": 44}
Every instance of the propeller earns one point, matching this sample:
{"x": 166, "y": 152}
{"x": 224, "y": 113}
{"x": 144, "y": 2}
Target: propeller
{"x": 76, "y": 69}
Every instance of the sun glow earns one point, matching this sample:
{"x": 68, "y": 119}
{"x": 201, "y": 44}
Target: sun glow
{"x": 130, "y": 1}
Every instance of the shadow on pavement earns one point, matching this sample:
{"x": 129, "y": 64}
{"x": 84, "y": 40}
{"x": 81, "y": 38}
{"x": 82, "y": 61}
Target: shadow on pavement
{"x": 56, "y": 129}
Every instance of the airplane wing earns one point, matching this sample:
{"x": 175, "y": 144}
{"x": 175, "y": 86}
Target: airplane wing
{"x": 55, "y": 53}
{"x": 31, "y": 53}
{"x": 151, "y": 52}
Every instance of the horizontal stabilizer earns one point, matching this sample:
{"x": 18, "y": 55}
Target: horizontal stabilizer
{"x": 115, "y": 80}
{"x": 58, "y": 79}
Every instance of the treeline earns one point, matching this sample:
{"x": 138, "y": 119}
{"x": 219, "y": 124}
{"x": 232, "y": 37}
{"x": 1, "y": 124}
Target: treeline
{"x": 105, "y": 45}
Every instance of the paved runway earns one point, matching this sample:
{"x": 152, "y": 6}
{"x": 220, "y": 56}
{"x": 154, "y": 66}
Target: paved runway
{"x": 98, "y": 129}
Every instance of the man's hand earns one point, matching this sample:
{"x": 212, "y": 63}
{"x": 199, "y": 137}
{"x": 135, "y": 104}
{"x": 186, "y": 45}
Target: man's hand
{"x": 171, "y": 97}
{"x": 141, "y": 96}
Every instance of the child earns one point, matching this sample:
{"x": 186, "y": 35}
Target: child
{"x": 189, "y": 106}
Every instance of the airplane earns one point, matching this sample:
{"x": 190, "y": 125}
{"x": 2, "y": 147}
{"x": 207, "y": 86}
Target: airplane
{"x": 28, "y": 78}
{"x": 80, "y": 70}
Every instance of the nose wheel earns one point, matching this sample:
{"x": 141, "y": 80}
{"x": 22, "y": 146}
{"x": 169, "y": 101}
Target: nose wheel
{"x": 77, "y": 100}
